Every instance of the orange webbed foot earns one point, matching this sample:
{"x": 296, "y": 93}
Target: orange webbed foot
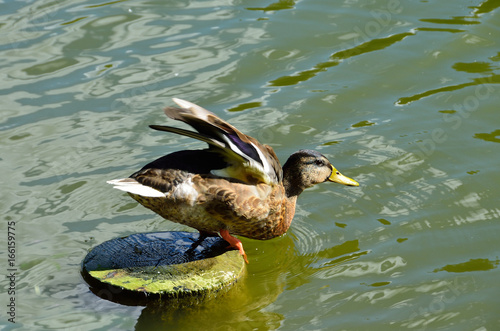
{"x": 233, "y": 242}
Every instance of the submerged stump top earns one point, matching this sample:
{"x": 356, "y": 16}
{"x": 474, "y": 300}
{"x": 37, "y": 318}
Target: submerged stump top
{"x": 162, "y": 265}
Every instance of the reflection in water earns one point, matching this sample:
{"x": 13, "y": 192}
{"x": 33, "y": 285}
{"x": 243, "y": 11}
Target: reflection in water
{"x": 238, "y": 309}
{"x": 455, "y": 20}
{"x": 335, "y": 59}
{"x": 244, "y": 304}
{"x": 481, "y": 84}
{"x": 489, "y": 136}
{"x": 486, "y": 6}
{"x": 471, "y": 265}
{"x": 280, "y": 5}
{"x": 473, "y": 67}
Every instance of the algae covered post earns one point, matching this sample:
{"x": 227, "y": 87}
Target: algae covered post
{"x": 169, "y": 266}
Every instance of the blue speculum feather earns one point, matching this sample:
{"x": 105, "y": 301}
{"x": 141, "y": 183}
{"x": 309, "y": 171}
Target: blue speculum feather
{"x": 245, "y": 147}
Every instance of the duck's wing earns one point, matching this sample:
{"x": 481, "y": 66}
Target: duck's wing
{"x": 248, "y": 160}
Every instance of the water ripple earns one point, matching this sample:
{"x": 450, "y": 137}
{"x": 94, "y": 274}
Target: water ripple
{"x": 363, "y": 268}
{"x": 82, "y": 80}
{"x": 337, "y": 57}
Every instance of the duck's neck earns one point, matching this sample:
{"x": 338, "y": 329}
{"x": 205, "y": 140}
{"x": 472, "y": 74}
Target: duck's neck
{"x": 293, "y": 186}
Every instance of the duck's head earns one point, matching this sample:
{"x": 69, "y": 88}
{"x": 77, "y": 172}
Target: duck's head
{"x": 307, "y": 168}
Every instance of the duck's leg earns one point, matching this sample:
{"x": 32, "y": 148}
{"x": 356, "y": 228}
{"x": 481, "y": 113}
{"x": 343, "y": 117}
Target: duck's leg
{"x": 233, "y": 242}
{"x": 203, "y": 235}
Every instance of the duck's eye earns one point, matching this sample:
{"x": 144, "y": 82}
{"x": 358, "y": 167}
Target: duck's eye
{"x": 319, "y": 162}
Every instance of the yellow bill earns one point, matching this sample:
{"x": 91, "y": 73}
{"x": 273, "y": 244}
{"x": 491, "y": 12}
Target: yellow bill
{"x": 337, "y": 177}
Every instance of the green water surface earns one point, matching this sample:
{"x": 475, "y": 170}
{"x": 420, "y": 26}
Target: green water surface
{"x": 402, "y": 96}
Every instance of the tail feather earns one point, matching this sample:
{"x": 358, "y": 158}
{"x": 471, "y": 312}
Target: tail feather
{"x": 132, "y": 186}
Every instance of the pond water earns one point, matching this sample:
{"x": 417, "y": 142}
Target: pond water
{"x": 402, "y": 96}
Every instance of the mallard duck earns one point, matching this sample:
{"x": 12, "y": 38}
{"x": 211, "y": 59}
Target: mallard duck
{"x": 234, "y": 187}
